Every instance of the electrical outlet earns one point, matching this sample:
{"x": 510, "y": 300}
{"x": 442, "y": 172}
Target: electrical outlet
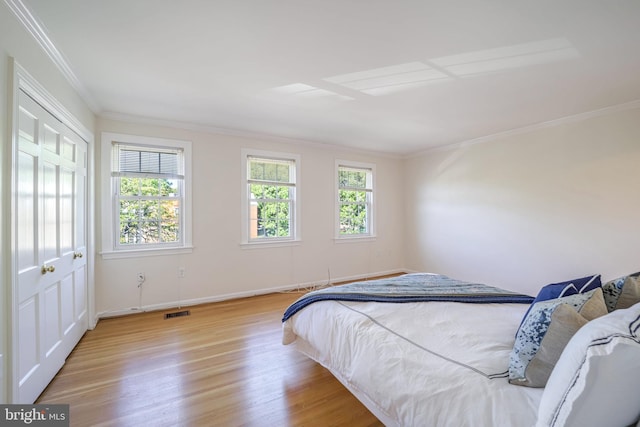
{"x": 181, "y": 271}
{"x": 141, "y": 277}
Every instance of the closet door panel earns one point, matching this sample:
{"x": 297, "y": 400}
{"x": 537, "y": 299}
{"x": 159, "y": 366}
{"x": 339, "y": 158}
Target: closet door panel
{"x": 50, "y": 248}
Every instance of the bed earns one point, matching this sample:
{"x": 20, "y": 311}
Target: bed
{"x": 431, "y": 360}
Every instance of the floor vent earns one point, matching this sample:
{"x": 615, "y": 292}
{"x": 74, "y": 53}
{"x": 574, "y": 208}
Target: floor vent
{"x": 177, "y": 314}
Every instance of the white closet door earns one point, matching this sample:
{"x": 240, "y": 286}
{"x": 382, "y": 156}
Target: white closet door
{"x": 50, "y": 219}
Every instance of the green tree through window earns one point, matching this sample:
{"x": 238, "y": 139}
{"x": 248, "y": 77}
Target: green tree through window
{"x": 149, "y": 195}
{"x": 149, "y": 211}
{"x": 354, "y": 200}
{"x": 271, "y": 196}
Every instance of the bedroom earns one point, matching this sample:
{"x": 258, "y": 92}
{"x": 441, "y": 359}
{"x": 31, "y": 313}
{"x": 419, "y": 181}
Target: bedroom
{"x": 550, "y": 198}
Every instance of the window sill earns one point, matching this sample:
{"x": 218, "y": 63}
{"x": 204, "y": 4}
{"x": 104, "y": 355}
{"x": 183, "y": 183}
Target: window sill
{"x": 136, "y": 253}
{"x": 354, "y": 239}
{"x": 275, "y": 244}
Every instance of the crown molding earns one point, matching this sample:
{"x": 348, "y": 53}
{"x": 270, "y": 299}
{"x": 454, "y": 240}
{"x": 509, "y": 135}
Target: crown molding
{"x": 537, "y": 126}
{"x": 39, "y": 94}
{"x": 127, "y": 118}
{"x": 37, "y": 30}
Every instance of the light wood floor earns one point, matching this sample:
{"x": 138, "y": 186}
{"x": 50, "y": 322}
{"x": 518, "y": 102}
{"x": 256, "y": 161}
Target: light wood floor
{"x": 224, "y": 365}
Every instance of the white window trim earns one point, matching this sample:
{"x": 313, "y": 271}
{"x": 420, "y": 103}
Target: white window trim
{"x": 109, "y": 250}
{"x": 343, "y": 238}
{"x": 245, "y": 241}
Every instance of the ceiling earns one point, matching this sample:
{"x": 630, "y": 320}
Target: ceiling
{"x": 398, "y": 77}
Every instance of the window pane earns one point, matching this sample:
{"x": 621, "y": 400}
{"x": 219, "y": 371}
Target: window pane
{"x": 282, "y": 173}
{"x": 129, "y": 232}
{"x": 352, "y": 178}
{"x": 352, "y": 196}
{"x": 343, "y": 178}
{"x": 270, "y": 192}
{"x": 282, "y": 193}
{"x": 149, "y": 187}
{"x": 128, "y": 210}
{"x": 260, "y": 231}
{"x": 353, "y": 219}
{"x": 256, "y": 170}
{"x": 148, "y": 210}
{"x": 256, "y": 191}
{"x": 170, "y": 231}
{"x": 267, "y": 213}
{"x": 270, "y": 170}
{"x": 168, "y": 187}
{"x": 273, "y": 219}
{"x": 169, "y": 210}
{"x": 149, "y": 231}
{"x": 129, "y": 186}
{"x": 358, "y": 179}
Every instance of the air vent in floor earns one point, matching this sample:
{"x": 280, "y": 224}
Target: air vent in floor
{"x": 177, "y": 314}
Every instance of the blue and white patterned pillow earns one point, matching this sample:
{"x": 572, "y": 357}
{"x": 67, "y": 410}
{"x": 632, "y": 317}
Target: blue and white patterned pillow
{"x": 564, "y": 289}
{"x": 545, "y": 332}
{"x": 622, "y": 292}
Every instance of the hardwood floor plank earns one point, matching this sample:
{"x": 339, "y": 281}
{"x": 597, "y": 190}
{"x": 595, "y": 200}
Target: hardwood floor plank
{"x": 223, "y": 365}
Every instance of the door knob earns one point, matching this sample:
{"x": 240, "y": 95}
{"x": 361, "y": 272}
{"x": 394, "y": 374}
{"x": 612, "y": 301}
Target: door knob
{"x": 77, "y": 255}
{"x": 48, "y": 269}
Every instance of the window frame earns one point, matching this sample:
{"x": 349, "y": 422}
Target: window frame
{"x": 371, "y": 203}
{"x": 111, "y": 246}
{"x": 295, "y": 218}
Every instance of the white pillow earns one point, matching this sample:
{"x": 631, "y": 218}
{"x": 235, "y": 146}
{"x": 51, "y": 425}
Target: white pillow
{"x": 596, "y": 381}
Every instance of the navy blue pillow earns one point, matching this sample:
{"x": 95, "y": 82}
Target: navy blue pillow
{"x": 564, "y": 289}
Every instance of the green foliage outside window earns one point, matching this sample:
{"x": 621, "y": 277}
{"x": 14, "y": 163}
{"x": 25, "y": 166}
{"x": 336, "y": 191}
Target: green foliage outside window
{"x": 273, "y": 210}
{"x": 353, "y": 198}
{"x": 272, "y": 171}
{"x": 149, "y": 211}
{"x": 272, "y": 196}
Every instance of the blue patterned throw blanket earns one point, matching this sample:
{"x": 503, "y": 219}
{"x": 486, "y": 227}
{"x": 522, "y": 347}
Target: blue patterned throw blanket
{"x": 415, "y": 287}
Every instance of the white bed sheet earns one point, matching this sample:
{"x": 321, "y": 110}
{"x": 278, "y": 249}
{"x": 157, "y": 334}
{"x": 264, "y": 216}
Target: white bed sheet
{"x": 420, "y": 364}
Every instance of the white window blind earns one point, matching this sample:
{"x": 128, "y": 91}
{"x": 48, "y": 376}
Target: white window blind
{"x": 147, "y": 162}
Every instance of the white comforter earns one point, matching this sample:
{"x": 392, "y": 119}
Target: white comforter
{"x": 420, "y": 364}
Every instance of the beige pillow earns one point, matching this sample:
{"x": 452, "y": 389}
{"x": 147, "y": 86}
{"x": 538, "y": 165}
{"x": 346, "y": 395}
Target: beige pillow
{"x": 545, "y": 333}
{"x": 622, "y": 292}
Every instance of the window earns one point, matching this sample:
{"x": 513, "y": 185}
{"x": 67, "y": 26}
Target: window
{"x": 270, "y": 197}
{"x": 148, "y": 184}
{"x": 354, "y": 199}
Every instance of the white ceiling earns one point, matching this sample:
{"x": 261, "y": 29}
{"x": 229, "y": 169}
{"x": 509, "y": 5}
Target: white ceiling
{"x": 391, "y": 76}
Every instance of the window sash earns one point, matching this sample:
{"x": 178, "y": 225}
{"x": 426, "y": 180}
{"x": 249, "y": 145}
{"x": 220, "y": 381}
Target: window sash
{"x": 146, "y": 162}
{"x": 284, "y": 177}
{"x": 289, "y": 178}
{"x": 347, "y": 186}
{"x": 366, "y": 205}
{"x": 155, "y": 218}
{"x": 368, "y": 185}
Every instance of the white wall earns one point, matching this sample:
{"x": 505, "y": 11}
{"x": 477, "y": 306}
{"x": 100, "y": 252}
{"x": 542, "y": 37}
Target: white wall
{"x": 219, "y": 267}
{"x": 17, "y": 43}
{"x": 525, "y": 210}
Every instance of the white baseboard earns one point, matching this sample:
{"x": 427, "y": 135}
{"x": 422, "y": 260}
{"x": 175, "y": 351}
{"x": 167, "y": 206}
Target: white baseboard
{"x": 244, "y": 294}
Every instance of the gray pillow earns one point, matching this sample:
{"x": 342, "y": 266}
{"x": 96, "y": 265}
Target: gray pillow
{"x": 622, "y": 292}
{"x": 546, "y": 331}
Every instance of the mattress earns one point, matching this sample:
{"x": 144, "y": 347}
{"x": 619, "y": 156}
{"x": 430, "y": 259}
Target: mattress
{"x": 420, "y": 363}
